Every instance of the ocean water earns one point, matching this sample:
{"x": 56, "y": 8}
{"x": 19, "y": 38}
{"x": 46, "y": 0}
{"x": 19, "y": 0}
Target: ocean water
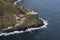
{"x": 47, "y": 9}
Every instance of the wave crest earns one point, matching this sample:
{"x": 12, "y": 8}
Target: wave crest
{"x": 29, "y": 29}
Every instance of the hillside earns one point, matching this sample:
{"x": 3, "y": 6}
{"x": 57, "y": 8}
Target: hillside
{"x": 17, "y": 16}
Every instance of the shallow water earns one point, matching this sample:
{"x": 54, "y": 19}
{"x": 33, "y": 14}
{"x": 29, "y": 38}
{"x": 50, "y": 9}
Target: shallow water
{"x": 47, "y": 9}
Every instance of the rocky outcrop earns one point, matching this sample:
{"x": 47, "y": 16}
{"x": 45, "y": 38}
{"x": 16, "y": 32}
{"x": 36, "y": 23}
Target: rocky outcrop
{"x": 13, "y": 17}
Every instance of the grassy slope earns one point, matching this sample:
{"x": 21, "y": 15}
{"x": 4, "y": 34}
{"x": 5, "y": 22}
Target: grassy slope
{"x": 7, "y": 10}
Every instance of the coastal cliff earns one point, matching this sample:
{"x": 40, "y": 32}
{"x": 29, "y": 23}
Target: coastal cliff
{"x": 13, "y": 17}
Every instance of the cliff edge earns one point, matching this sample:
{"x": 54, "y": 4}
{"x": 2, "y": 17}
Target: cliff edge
{"x": 13, "y": 17}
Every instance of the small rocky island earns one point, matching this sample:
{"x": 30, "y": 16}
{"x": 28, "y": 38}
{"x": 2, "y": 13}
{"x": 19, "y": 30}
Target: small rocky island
{"x": 13, "y": 17}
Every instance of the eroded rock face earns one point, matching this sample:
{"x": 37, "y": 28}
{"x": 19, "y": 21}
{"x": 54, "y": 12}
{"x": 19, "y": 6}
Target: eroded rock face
{"x": 13, "y": 17}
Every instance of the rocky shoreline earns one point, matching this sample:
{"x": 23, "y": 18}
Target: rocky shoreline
{"x": 23, "y": 28}
{"x": 24, "y": 21}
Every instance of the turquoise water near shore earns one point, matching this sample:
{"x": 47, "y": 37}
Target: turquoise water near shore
{"x": 47, "y": 9}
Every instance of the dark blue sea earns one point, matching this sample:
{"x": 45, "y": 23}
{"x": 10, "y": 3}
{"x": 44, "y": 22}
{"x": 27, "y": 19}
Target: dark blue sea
{"x": 48, "y": 10}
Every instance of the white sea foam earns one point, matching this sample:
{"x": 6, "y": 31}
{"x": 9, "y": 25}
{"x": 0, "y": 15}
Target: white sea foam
{"x": 16, "y": 2}
{"x": 29, "y": 29}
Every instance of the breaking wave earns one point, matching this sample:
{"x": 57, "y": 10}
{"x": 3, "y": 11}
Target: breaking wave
{"x": 16, "y": 2}
{"x": 27, "y": 30}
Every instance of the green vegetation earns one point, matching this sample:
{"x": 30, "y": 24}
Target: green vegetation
{"x": 7, "y": 10}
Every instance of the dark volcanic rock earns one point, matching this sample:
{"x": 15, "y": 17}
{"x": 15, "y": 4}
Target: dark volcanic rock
{"x": 22, "y": 28}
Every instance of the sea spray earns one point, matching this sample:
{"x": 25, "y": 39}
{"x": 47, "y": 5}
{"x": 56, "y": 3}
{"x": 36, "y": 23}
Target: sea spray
{"x": 16, "y": 2}
{"x": 29, "y": 29}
